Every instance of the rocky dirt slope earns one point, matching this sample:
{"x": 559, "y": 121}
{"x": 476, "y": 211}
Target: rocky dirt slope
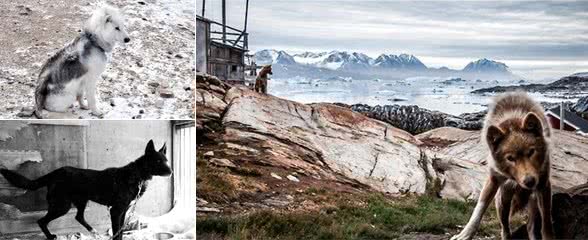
{"x": 150, "y": 77}
{"x": 258, "y": 151}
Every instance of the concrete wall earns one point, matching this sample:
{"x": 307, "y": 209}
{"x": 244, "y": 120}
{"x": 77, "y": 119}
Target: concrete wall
{"x": 35, "y": 148}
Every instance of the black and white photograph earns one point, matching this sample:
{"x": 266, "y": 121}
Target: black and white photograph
{"x": 97, "y": 59}
{"x": 84, "y": 179}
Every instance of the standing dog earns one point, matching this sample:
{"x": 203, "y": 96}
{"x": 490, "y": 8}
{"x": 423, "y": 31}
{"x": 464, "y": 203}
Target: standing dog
{"x": 261, "y": 80}
{"x": 113, "y": 187}
{"x": 74, "y": 70}
{"x": 517, "y": 134}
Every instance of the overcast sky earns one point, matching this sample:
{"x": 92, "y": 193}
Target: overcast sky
{"x": 536, "y": 39}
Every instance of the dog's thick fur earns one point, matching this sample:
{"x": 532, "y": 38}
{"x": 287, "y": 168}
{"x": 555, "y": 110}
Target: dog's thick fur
{"x": 73, "y": 71}
{"x": 517, "y": 135}
{"x": 261, "y": 80}
{"x": 113, "y": 187}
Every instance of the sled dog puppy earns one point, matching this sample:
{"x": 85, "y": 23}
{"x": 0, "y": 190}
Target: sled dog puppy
{"x": 113, "y": 187}
{"x": 517, "y": 135}
{"x": 73, "y": 71}
{"x": 261, "y": 80}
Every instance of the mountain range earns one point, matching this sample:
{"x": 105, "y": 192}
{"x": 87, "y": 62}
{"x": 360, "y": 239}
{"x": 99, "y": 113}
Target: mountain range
{"x": 357, "y": 65}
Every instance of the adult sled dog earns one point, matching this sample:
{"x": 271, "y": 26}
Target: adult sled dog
{"x": 113, "y": 187}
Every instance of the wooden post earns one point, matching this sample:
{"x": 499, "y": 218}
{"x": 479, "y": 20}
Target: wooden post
{"x": 203, "y": 7}
{"x": 224, "y": 22}
{"x": 561, "y": 116}
{"x": 246, "y": 39}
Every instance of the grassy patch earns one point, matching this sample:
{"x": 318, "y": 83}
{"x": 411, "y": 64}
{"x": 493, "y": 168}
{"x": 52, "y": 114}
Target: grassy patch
{"x": 378, "y": 218}
{"x": 213, "y": 183}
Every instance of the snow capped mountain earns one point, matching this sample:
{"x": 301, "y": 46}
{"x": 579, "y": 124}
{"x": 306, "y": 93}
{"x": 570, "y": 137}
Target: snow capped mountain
{"x": 486, "y": 66}
{"x": 310, "y": 57}
{"x": 343, "y": 63}
{"x": 271, "y": 56}
{"x": 403, "y": 61}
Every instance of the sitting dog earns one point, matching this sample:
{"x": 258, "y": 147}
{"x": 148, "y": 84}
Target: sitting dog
{"x": 113, "y": 187}
{"x": 517, "y": 135}
{"x": 73, "y": 71}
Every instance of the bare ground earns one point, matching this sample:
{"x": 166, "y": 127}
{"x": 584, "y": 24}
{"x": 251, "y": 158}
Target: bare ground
{"x": 159, "y": 57}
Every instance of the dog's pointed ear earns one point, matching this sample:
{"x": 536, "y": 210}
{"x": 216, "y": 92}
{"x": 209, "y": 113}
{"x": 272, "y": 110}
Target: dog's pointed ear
{"x": 532, "y": 124}
{"x": 150, "y": 147}
{"x": 494, "y": 136}
{"x": 163, "y": 149}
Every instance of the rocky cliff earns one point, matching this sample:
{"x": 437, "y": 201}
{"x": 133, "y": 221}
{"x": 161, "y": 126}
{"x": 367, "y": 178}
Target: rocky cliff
{"x": 289, "y": 145}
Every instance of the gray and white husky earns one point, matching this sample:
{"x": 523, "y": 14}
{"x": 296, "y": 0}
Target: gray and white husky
{"x": 73, "y": 71}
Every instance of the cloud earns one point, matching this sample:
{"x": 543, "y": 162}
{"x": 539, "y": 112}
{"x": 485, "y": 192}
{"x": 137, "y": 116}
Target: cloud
{"x": 511, "y": 31}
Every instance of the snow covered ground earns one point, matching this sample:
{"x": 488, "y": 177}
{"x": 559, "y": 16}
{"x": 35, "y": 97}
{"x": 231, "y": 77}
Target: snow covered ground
{"x": 446, "y": 95}
{"x": 152, "y": 77}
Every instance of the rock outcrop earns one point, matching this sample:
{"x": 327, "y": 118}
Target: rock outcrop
{"x": 418, "y": 120}
{"x": 210, "y": 105}
{"x": 569, "y": 85}
{"x": 325, "y": 141}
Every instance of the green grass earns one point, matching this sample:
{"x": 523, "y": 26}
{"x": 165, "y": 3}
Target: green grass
{"x": 379, "y": 218}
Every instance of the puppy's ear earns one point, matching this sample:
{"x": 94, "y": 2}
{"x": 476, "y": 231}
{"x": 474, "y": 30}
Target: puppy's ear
{"x": 150, "y": 147}
{"x": 494, "y": 136}
{"x": 163, "y": 149}
{"x": 532, "y": 124}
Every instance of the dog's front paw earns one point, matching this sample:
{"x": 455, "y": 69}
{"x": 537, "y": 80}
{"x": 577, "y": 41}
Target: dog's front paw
{"x": 52, "y": 237}
{"x": 463, "y": 235}
{"x": 83, "y": 105}
{"x": 97, "y": 113}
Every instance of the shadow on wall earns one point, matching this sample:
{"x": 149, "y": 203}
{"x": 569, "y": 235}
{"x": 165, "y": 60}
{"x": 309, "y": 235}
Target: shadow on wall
{"x": 34, "y": 148}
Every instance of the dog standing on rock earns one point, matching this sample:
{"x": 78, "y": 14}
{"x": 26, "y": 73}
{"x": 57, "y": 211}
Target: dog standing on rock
{"x": 73, "y": 71}
{"x": 261, "y": 80}
{"x": 517, "y": 135}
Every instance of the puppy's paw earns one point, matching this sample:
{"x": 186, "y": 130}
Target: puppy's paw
{"x": 52, "y": 237}
{"x": 97, "y": 113}
{"x": 83, "y": 105}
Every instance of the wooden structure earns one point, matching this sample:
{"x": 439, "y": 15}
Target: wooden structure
{"x": 221, "y": 50}
{"x": 571, "y": 121}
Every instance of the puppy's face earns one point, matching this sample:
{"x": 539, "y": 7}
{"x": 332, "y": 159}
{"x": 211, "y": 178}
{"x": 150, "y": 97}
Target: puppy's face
{"x": 519, "y": 149}
{"x": 114, "y": 30}
{"x": 268, "y": 69}
{"x": 155, "y": 162}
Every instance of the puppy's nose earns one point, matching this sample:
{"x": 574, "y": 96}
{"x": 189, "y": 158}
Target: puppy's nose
{"x": 530, "y": 182}
{"x": 127, "y": 40}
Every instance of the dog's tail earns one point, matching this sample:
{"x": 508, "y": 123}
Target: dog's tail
{"x": 22, "y": 182}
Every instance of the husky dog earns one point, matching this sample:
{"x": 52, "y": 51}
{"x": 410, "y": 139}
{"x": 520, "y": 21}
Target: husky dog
{"x": 517, "y": 135}
{"x": 74, "y": 70}
{"x": 261, "y": 80}
{"x": 113, "y": 187}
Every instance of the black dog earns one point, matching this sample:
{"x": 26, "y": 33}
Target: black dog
{"x": 114, "y": 187}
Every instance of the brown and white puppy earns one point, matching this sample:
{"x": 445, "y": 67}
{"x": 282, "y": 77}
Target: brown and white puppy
{"x": 517, "y": 135}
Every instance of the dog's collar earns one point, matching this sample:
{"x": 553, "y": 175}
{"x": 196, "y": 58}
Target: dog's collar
{"x": 94, "y": 41}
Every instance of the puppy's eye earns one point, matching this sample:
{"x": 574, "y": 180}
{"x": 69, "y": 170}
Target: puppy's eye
{"x": 531, "y": 152}
{"x": 510, "y": 158}
{"x": 117, "y": 28}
